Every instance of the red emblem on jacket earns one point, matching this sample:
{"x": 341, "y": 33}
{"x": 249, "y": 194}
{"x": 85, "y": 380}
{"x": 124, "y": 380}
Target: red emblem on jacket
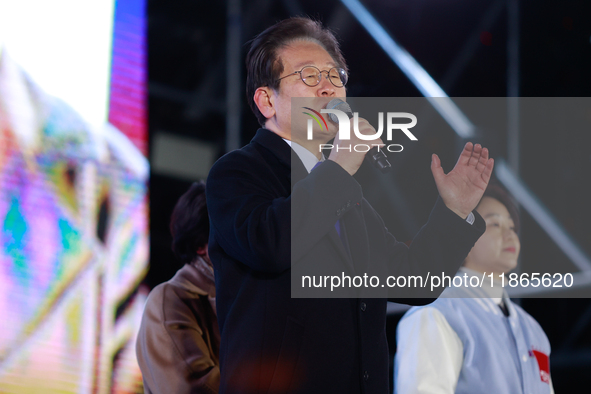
{"x": 543, "y": 364}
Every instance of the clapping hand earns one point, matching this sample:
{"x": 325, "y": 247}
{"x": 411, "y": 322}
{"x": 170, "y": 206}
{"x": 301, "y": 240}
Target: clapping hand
{"x": 462, "y": 188}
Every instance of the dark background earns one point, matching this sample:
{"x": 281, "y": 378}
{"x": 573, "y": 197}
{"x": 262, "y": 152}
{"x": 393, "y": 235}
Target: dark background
{"x": 462, "y": 44}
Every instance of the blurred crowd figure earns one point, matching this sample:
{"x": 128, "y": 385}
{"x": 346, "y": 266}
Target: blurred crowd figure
{"x": 475, "y": 339}
{"x": 178, "y": 342}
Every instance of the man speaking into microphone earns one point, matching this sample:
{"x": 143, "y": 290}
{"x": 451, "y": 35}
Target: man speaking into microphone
{"x": 271, "y": 342}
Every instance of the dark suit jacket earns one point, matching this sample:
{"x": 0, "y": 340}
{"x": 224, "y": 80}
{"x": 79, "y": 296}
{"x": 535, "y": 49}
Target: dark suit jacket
{"x": 271, "y": 342}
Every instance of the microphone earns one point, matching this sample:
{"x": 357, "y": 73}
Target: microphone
{"x": 377, "y": 157}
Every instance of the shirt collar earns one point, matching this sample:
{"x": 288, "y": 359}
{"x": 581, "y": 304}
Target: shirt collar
{"x": 307, "y": 157}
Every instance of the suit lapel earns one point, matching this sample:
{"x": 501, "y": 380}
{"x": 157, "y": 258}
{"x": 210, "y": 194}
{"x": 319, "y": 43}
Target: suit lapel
{"x": 298, "y": 170}
{"x": 275, "y": 144}
{"x": 293, "y": 166}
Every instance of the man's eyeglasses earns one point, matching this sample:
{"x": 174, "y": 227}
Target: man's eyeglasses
{"x": 312, "y": 76}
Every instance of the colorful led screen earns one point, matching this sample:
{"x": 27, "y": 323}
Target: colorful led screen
{"x": 73, "y": 195}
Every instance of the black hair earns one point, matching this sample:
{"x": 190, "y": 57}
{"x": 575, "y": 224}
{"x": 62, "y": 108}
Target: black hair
{"x": 189, "y": 223}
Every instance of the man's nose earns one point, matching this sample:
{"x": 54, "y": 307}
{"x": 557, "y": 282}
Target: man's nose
{"x": 325, "y": 88}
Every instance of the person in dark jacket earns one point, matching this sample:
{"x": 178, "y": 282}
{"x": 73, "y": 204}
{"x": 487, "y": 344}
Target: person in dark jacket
{"x": 271, "y": 342}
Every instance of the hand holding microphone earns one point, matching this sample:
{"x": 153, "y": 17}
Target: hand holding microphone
{"x": 346, "y": 156}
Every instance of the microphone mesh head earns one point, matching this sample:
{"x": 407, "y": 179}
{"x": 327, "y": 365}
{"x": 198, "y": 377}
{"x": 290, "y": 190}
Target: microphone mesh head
{"x": 340, "y": 105}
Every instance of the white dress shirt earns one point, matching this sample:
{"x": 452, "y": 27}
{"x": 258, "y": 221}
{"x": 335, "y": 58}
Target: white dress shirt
{"x": 307, "y": 157}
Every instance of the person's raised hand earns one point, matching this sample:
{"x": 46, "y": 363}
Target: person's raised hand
{"x": 462, "y": 188}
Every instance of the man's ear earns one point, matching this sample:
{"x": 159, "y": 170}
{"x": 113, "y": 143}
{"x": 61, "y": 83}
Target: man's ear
{"x": 264, "y": 99}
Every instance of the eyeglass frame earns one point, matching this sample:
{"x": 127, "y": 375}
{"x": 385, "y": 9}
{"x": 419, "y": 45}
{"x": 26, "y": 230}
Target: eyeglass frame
{"x": 320, "y": 74}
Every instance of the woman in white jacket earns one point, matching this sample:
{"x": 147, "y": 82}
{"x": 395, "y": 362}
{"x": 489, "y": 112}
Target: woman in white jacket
{"x": 473, "y": 339}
